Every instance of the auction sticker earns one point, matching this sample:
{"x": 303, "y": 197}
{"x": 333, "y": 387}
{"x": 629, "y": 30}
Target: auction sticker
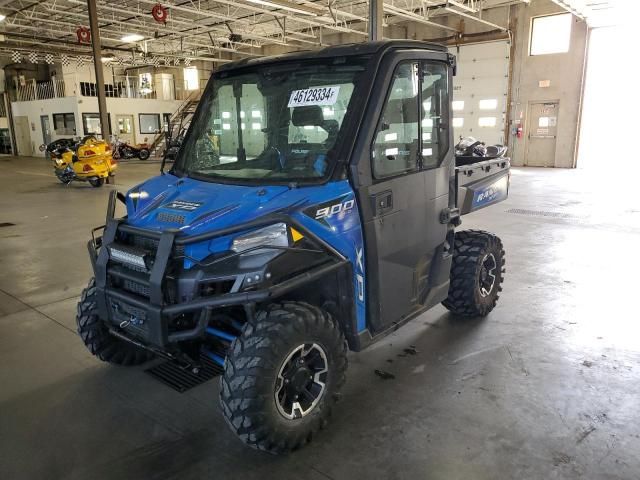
{"x": 314, "y": 96}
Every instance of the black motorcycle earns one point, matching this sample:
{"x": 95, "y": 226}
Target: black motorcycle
{"x": 122, "y": 150}
{"x": 469, "y": 150}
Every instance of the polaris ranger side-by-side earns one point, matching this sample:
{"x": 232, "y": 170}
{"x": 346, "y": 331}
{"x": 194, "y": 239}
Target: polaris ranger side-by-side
{"x": 310, "y": 209}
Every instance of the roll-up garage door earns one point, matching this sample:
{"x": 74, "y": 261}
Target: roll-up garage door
{"x": 480, "y": 91}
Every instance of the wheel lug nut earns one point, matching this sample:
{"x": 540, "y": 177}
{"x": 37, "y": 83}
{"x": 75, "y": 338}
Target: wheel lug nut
{"x": 286, "y": 380}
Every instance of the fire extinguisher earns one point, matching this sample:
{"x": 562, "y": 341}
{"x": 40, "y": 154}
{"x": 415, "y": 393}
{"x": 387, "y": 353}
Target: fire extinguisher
{"x": 519, "y": 132}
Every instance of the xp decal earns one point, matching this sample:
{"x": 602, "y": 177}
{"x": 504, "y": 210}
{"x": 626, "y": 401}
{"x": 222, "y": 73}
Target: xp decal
{"x": 183, "y": 205}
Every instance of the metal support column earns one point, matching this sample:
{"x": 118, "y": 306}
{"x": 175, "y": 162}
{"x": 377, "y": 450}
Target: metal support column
{"x": 376, "y": 14}
{"x": 97, "y": 62}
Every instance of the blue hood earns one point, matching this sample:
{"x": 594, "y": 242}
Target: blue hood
{"x": 194, "y": 206}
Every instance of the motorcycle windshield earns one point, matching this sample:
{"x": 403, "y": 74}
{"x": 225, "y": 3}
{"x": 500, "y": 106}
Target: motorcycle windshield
{"x": 278, "y": 124}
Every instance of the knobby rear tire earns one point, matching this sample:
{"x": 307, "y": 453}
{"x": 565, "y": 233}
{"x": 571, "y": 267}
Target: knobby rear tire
{"x": 466, "y": 297}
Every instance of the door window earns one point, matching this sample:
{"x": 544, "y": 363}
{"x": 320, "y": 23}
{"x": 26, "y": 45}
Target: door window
{"x": 395, "y": 148}
{"x": 91, "y": 123}
{"x": 435, "y": 115}
{"x": 125, "y": 125}
{"x": 414, "y": 129}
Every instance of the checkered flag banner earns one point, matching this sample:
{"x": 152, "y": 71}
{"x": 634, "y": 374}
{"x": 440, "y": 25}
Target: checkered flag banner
{"x": 176, "y": 61}
{"x": 167, "y": 61}
{"x": 80, "y": 61}
{"x": 65, "y": 60}
{"x": 156, "y": 62}
{"x": 16, "y": 57}
{"x": 120, "y": 61}
{"x": 187, "y": 62}
{"x": 33, "y": 57}
{"x": 48, "y": 58}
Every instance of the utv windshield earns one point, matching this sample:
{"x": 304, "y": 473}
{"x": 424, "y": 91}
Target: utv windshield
{"x": 280, "y": 123}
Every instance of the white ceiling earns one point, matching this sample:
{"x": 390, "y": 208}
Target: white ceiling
{"x": 602, "y": 13}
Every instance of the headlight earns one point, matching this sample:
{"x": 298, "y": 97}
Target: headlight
{"x": 274, "y": 235}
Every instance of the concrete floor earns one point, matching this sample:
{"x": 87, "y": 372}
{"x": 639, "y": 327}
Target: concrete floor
{"x": 548, "y": 386}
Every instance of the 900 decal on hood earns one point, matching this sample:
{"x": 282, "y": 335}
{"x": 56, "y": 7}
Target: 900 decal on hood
{"x": 338, "y": 207}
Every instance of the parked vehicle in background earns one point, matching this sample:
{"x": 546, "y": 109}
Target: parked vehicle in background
{"x": 469, "y": 150}
{"x": 123, "y": 150}
{"x": 87, "y": 160}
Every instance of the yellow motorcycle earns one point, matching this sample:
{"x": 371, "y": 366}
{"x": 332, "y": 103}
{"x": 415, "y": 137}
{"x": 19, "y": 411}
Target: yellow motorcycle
{"x": 88, "y": 160}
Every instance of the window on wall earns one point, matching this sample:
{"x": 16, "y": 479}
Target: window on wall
{"x": 91, "y": 123}
{"x": 145, "y": 86}
{"x": 191, "y": 78}
{"x": 551, "y": 34}
{"x": 64, "y": 123}
{"x": 88, "y": 89}
{"x": 149, "y": 123}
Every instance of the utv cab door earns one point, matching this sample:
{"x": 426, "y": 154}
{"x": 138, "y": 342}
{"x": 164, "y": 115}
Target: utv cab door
{"x": 410, "y": 154}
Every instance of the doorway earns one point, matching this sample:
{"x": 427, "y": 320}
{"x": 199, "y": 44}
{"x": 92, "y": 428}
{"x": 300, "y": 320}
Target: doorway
{"x": 125, "y": 129}
{"x": 541, "y": 136}
{"x": 610, "y": 102}
{"x": 46, "y": 129}
{"x": 23, "y": 137}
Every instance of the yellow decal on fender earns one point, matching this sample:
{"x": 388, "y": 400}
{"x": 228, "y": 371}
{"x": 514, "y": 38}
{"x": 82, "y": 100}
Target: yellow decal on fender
{"x": 296, "y": 235}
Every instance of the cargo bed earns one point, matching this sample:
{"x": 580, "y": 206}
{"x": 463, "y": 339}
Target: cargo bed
{"x": 481, "y": 184}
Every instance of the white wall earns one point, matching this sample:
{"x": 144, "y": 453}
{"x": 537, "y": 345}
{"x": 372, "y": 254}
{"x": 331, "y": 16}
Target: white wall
{"x": 563, "y": 70}
{"x": 35, "y": 109}
{"x": 128, "y": 106}
{"x": 79, "y": 105}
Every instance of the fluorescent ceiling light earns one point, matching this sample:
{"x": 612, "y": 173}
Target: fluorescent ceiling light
{"x": 292, "y": 7}
{"x": 133, "y": 37}
{"x": 2, "y": 17}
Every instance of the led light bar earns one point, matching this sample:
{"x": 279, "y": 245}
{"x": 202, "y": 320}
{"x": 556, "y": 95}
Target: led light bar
{"x": 127, "y": 257}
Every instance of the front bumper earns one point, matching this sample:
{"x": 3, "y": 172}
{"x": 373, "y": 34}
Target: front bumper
{"x": 144, "y": 303}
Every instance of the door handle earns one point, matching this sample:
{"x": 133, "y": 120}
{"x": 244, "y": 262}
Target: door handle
{"x": 382, "y": 202}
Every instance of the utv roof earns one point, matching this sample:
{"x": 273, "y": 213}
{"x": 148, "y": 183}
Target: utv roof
{"x": 349, "y": 49}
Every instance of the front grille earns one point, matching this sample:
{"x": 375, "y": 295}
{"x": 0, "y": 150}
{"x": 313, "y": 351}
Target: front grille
{"x": 137, "y": 288}
{"x": 171, "y": 218}
{"x": 151, "y": 245}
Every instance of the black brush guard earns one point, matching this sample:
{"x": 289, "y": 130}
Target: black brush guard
{"x": 157, "y": 311}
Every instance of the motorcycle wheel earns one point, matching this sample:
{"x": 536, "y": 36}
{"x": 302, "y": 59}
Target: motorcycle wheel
{"x": 65, "y": 179}
{"x": 144, "y": 153}
{"x": 97, "y": 182}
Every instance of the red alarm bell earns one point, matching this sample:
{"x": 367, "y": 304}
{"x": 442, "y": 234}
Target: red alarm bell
{"x": 160, "y": 13}
{"x": 83, "y": 34}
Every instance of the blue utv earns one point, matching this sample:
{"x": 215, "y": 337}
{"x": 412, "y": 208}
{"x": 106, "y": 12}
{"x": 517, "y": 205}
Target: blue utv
{"x": 311, "y": 209}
